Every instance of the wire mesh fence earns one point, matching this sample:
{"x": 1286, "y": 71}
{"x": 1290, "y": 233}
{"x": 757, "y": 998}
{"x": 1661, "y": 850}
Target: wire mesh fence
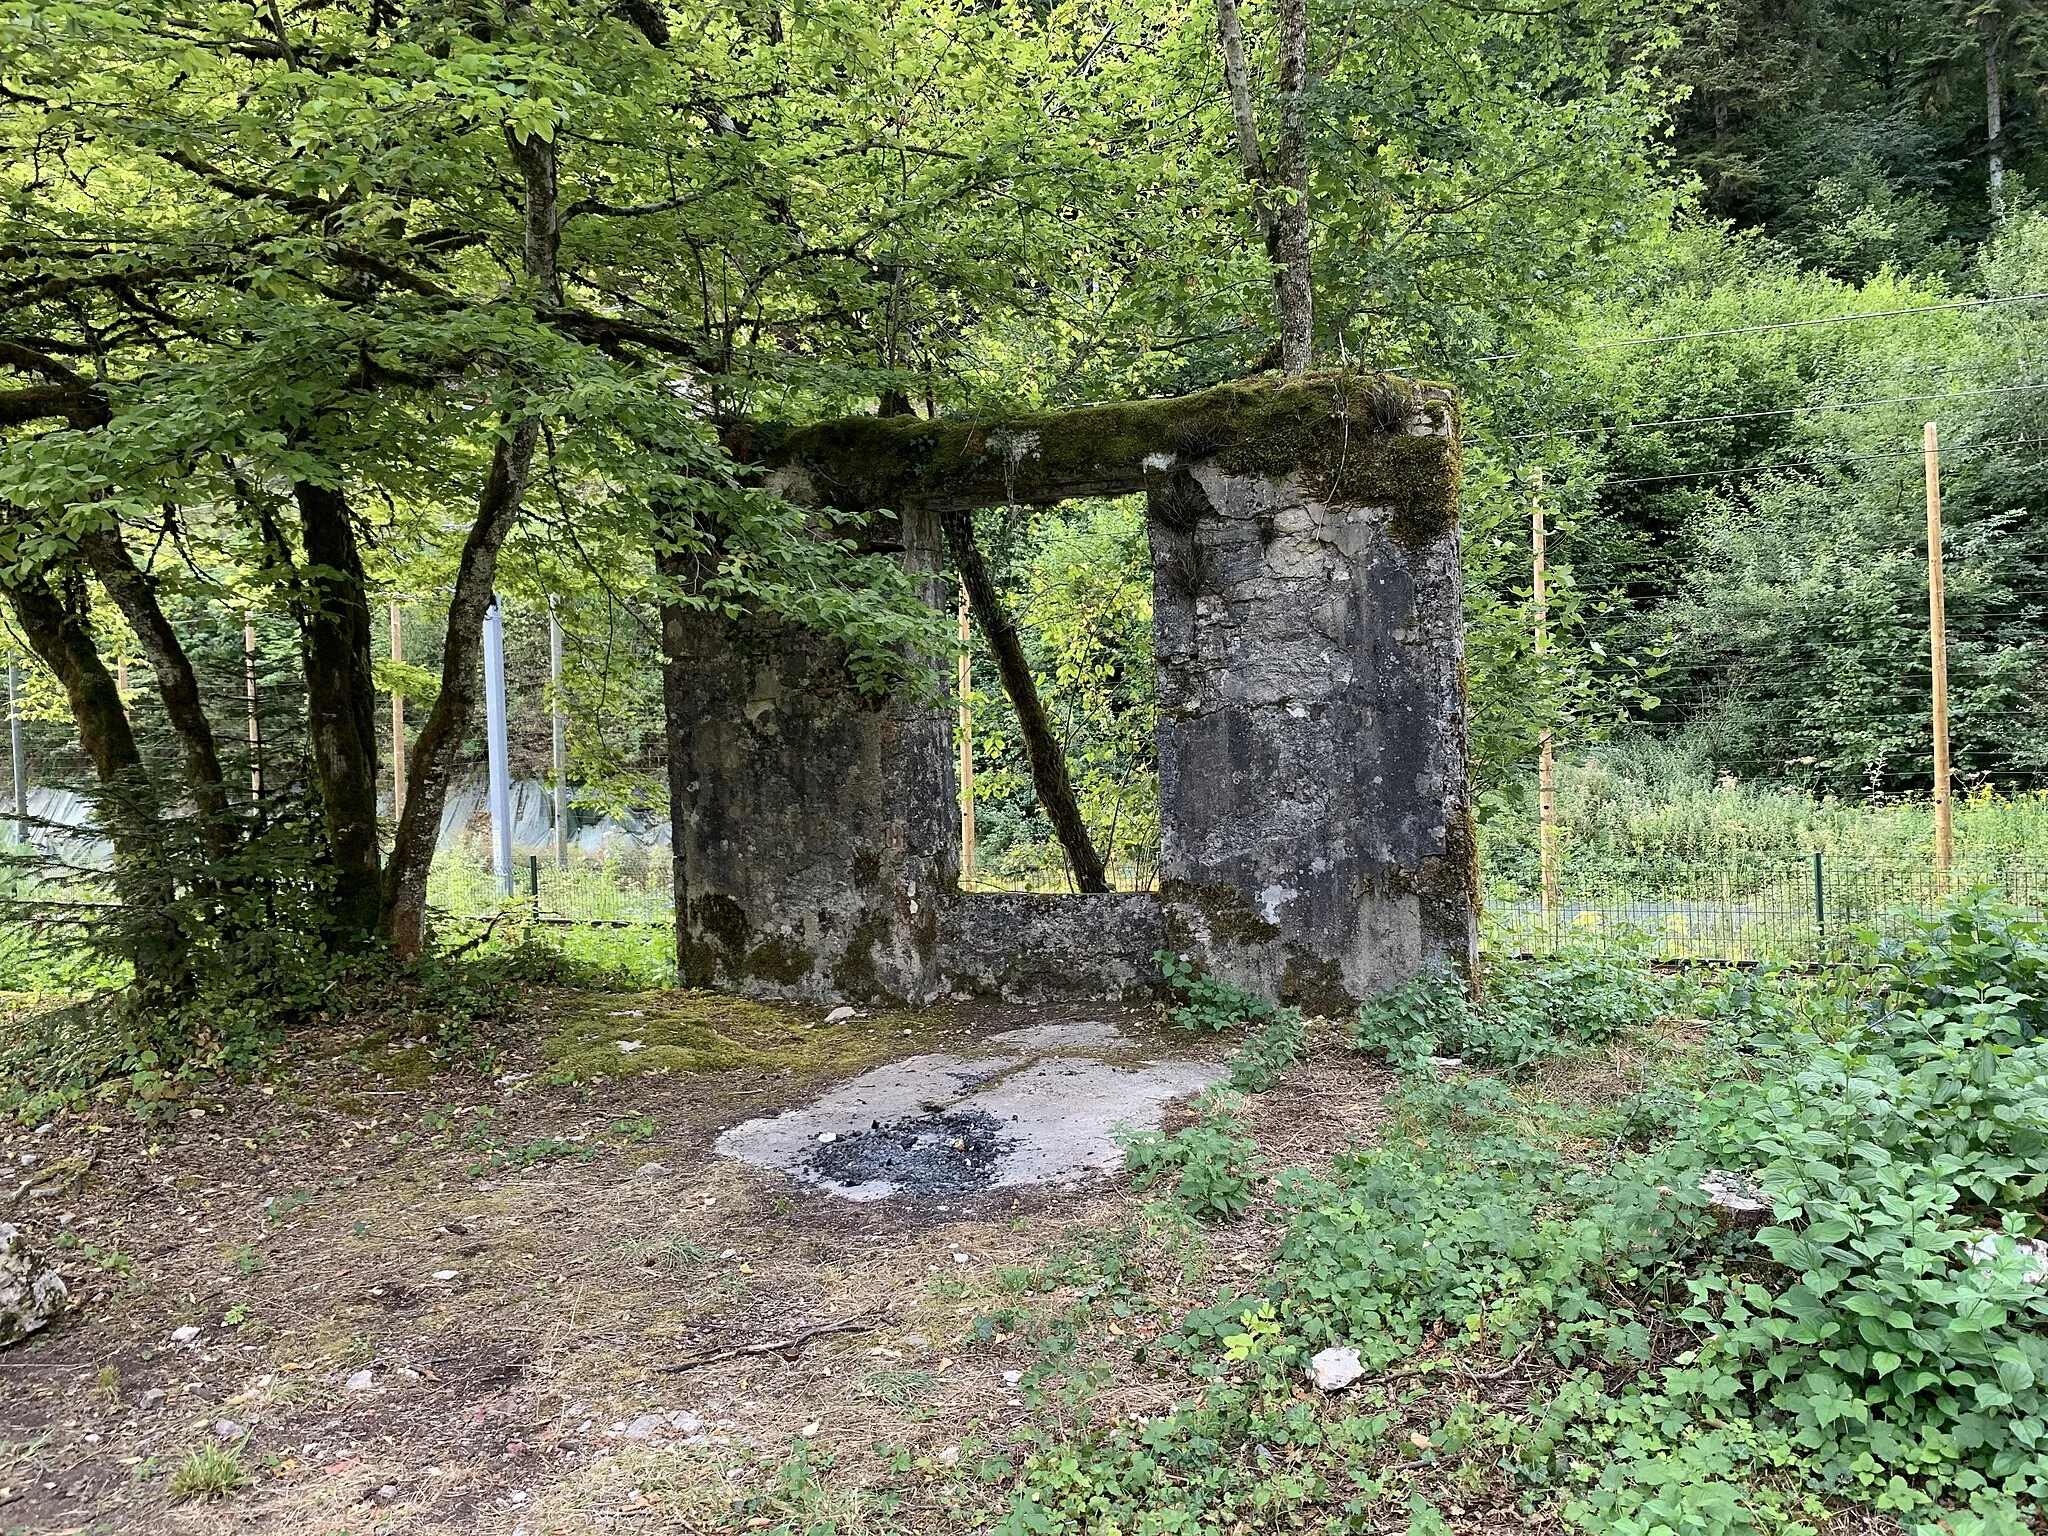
{"x": 632, "y": 890}
{"x": 1728, "y": 907}
{"x": 1732, "y": 908}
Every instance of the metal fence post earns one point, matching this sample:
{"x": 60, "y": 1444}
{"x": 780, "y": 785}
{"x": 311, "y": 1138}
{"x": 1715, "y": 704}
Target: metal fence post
{"x": 1820, "y": 899}
{"x": 500, "y": 782}
{"x": 14, "y": 751}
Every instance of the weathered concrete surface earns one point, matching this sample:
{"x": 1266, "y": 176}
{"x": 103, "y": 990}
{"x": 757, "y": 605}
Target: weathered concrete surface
{"x": 1043, "y": 1111}
{"x": 31, "y": 1293}
{"x": 1030, "y": 948}
{"x": 1314, "y": 790}
{"x": 815, "y": 834}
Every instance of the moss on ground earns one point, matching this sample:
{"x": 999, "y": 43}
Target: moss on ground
{"x": 620, "y": 1034}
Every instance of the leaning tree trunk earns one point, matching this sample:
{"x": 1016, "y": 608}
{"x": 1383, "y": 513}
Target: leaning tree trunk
{"x": 1042, "y": 749}
{"x": 128, "y": 813}
{"x": 59, "y": 637}
{"x": 341, "y": 704}
{"x": 134, "y": 593}
{"x": 434, "y": 755}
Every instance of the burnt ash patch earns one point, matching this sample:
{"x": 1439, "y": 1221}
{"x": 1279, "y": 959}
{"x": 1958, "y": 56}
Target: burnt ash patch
{"x": 949, "y": 1153}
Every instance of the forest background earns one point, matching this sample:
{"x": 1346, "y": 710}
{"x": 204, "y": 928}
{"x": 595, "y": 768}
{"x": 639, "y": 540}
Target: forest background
{"x": 315, "y": 309}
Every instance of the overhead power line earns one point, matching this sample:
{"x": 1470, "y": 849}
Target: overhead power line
{"x": 1777, "y": 325}
{"x": 1789, "y": 410}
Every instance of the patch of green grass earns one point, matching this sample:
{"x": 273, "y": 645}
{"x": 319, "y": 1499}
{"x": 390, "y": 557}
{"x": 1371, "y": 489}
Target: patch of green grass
{"x": 210, "y": 1472}
{"x": 896, "y": 1388}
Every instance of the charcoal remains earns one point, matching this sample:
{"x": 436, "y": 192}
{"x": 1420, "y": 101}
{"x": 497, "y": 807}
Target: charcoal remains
{"x": 951, "y": 1153}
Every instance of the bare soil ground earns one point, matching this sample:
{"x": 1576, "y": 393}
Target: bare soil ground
{"x": 429, "y": 1300}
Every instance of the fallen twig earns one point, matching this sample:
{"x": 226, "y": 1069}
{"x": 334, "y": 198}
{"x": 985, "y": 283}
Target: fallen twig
{"x": 772, "y": 1347}
{"x": 1447, "y": 1367}
{"x": 490, "y": 927}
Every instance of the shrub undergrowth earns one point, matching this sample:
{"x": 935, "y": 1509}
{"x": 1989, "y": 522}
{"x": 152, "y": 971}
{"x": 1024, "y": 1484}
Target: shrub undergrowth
{"x": 1875, "y": 1339}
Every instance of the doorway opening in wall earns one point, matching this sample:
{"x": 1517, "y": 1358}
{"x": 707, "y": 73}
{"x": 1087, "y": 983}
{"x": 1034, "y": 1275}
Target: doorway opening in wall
{"x": 1075, "y": 580}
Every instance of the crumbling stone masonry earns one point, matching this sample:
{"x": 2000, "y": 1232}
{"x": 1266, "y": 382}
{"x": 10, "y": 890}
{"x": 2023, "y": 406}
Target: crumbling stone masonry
{"x": 1315, "y": 800}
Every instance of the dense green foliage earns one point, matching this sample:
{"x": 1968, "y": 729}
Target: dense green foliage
{"x": 1857, "y": 133}
{"x": 1874, "y": 1344}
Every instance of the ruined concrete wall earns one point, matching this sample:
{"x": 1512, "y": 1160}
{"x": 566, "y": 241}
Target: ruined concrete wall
{"x": 1313, "y": 786}
{"x": 1314, "y": 792}
{"x": 1032, "y": 949}
{"x": 815, "y": 827}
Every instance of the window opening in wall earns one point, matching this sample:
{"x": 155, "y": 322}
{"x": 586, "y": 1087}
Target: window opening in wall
{"x": 1075, "y": 580}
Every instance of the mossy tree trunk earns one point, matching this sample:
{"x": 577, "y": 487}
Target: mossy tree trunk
{"x": 1049, "y": 775}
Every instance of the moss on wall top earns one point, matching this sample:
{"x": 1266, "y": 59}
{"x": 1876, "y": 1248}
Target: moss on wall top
{"x": 1353, "y": 438}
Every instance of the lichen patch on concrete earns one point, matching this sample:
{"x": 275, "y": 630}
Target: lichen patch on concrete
{"x": 943, "y": 1124}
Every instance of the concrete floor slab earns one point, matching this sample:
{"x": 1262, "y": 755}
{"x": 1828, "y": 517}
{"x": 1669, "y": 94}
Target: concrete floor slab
{"x": 941, "y": 1124}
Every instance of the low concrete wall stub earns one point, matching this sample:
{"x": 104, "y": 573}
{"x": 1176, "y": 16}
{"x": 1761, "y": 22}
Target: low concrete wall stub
{"x": 1315, "y": 798}
{"x": 1033, "y": 948}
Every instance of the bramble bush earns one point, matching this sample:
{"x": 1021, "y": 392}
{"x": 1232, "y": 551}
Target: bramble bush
{"x": 1532, "y": 1009}
{"x": 1880, "y": 1343}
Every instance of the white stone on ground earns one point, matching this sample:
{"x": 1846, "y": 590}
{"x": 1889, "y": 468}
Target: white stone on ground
{"x": 1985, "y": 1250}
{"x": 839, "y": 1015}
{"x": 1335, "y": 1368}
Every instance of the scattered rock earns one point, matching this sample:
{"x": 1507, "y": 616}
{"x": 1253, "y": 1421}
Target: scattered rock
{"x": 650, "y": 1171}
{"x": 153, "y": 1397}
{"x": 1737, "y": 1201}
{"x": 1011, "y": 1378}
{"x": 949, "y": 1457}
{"x": 1335, "y": 1368}
{"x": 646, "y": 1426}
{"x": 446, "y": 1274}
{"x": 628, "y": 1047}
{"x": 1446, "y": 1064}
{"x": 362, "y": 1381}
{"x": 228, "y": 1429}
{"x": 1985, "y": 1250}
{"x": 917, "y": 1341}
{"x": 184, "y": 1335}
{"x": 839, "y": 1015}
